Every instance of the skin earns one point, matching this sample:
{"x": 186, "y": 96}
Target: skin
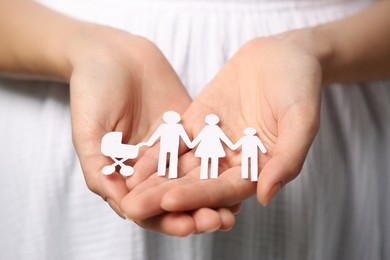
{"x": 118, "y": 82}
{"x": 272, "y": 84}
{"x": 279, "y": 120}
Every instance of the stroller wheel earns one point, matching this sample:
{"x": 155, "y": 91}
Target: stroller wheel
{"x": 127, "y": 170}
{"x": 107, "y": 170}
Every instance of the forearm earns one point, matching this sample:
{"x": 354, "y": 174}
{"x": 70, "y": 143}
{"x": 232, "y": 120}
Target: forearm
{"x": 35, "y": 40}
{"x": 359, "y": 46}
{"x": 353, "y": 49}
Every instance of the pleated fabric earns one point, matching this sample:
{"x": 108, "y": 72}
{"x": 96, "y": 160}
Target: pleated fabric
{"x": 336, "y": 209}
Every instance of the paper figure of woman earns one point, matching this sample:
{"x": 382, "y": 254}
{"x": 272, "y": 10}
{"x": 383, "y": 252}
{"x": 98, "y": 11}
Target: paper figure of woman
{"x": 210, "y": 146}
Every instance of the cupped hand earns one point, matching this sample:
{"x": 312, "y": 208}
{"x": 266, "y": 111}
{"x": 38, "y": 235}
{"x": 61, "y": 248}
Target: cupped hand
{"x": 119, "y": 82}
{"x": 272, "y": 84}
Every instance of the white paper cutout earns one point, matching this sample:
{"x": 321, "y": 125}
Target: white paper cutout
{"x": 112, "y": 147}
{"x": 210, "y": 146}
{"x": 249, "y": 146}
{"x": 169, "y": 134}
{"x": 209, "y": 142}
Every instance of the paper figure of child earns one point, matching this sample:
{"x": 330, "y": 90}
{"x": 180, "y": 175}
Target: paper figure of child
{"x": 210, "y": 146}
{"x": 250, "y": 144}
{"x": 169, "y": 134}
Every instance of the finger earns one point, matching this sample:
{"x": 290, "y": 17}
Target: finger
{"x": 143, "y": 202}
{"x": 111, "y": 188}
{"x": 294, "y": 139}
{"x": 207, "y": 220}
{"x": 144, "y": 167}
{"x": 189, "y": 194}
{"x": 147, "y": 166}
{"x": 144, "y": 199}
{"x": 182, "y": 224}
{"x": 175, "y": 224}
{"x": 228, "y": 219}
{"x": 235, "y": 209}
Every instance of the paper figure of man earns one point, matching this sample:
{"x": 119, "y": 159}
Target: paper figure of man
{"x": 169, "y": 134}
{"x": 249, "y": 151}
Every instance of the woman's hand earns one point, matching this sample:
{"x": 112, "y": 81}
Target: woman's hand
{"x": 119, "y": 82}
{"x": 272, "y": 84}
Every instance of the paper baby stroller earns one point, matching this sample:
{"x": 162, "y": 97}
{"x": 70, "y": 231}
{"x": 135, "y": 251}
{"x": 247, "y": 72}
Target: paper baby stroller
{"x": 112, "y": 146}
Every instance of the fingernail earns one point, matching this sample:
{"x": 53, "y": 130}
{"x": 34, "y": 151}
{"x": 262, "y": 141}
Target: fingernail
{"x": 213, "y": 230}
{"x": 135, "y": 222}
{"x": 206, "y": 231}
{"x": 275, "y": 189}
{"x": 203, "y": 232}
{"x": 237, "y": 210}
{"x": 226, "y": 230}
{"x": 126, "y": 217}
{"x": 115, "y": 207}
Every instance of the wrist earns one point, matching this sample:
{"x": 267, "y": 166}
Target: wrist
{"x": 325, "y": 51}
{"x": 71, "y": 45}
{"x": 94, "y": 44}
{"x": 313, "y": 42}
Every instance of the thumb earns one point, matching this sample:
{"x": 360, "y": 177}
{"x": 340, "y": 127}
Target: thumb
{"x": 296, "y": 134}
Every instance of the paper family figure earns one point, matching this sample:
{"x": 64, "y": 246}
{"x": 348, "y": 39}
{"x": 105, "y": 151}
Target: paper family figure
{"x": 249, "y": 146}
{"x": 210, "y": 146}
{"x": 112, "y": 146}
{"x": 169, "y": 134}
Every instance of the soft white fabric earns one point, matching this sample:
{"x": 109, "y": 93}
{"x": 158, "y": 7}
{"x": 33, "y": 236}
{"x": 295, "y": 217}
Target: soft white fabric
{"x": 337, "y": 209}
